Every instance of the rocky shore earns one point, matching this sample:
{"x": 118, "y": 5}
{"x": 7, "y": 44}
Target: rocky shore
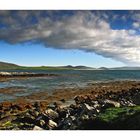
{"x": 108, "y": 107}
{"x": 5, "y": 76}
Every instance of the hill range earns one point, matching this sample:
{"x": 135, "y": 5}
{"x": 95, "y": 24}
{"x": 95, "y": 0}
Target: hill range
{"x": 11, "y": 66}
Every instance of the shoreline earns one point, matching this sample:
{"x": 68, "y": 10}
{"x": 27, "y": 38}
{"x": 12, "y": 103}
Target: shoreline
{"x": 88, "y": 105}
{"x": 94, "y": 90}
{"x": 5, "y": 76}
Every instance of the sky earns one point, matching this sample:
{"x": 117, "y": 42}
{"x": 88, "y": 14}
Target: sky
{"x": 57, "y": 38}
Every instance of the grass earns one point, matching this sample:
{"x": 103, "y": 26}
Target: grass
{"x": 43, "y": 68}
{"x": 33, "y": 68}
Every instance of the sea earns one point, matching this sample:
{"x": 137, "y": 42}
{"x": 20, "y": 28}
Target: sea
{"x": 65, "y": 79}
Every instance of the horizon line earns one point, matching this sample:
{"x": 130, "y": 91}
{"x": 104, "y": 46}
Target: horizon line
{"x": 65, "y": 65}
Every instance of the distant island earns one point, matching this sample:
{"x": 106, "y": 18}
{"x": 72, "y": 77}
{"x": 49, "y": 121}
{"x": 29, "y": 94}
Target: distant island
{"x": 10, "y": 66}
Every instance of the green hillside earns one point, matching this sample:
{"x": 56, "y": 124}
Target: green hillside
{"x": 7, "y": 66}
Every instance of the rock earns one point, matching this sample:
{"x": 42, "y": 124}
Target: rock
{"x": 52, "y": 114}
{"x": 97, "y": 110}
{"x": 16, "y": 107}
{"x": 37, "y": 105}
{"x": 28, "y": 106}
{"x": 86, "y": 106}
{"x": 63, "y": 100}
{"x": 95, "y": 104}
{"x": 131, "y": 104}
{"x": 56, "y": 104}
{"x": 73, "y": 118}
{"x": 109, "y": 103}
{"x": 34, "y": 113}
{"x": 39, "y": 118}
{"x": 52, "y": 124}
{"x": 37, "y": 128}
{"x": 82, "y": 99}
{"x": 42, "y": 122}
{"x": 29, "y": 115}
{"x": 5, "y": 73}
{"x": 52, "y": 106}
{"x": 85, "y": 117}
{"x": 65, "y": 124}
{"x": 73, "y": 106}
{"x": 62, "y": 112}
{"x": 125, "y": 102}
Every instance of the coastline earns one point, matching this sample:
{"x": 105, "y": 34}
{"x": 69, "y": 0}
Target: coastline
{"x": 5, "y": 76}
{"x": 87, "y": 105}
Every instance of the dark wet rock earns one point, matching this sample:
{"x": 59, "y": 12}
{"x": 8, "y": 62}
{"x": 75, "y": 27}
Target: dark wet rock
{"x": 1, "y": 106}
{"x": 14, "y": 107}
{"x": 65, "y": 124}
{"x": 37, "y": 105}
{"x": 28, "y": 106}
{"x": 62, "y": 112}
{"x": 33, "y": 113}
{"x": 73, "y": 106}
{"x": 28, "y": 120}
{"x": 25, "y": 126}
{"x": 83, "y": 99}
{"x": 56, "y": 104}
{"x": 63, "y": 100}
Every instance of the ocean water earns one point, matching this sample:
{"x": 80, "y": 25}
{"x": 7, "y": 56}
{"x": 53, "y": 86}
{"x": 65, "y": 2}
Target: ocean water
{"x": 67, "y": 79}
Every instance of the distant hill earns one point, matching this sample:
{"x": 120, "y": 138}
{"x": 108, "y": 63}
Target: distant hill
{"x": 103, "y": 68}
{"x": 10, "y": 66}
{"x": 5, "y": 66}
{"x": 83, "y": 67}
{"x": 77, "y": 67}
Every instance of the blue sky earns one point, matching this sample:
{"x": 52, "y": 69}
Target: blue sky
{"x": 36, "y": 55}
{"x": 56, "y": 38}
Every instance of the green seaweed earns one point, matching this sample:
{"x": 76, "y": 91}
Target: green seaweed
{"x": 112, "y": 114}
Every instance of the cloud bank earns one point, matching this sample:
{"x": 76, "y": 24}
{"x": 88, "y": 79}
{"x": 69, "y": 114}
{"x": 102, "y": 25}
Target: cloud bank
{"x": 89, "y": 31}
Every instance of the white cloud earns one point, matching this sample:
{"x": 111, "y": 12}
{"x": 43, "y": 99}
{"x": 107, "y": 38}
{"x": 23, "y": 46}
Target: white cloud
{"x": 84, "y": 31}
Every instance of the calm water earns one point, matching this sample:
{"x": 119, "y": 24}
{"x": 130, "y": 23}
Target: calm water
{"x": 67, "y": 78}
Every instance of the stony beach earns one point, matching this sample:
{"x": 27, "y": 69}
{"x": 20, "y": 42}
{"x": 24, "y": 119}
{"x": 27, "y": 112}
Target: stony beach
{"x": 101, "y": 106}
